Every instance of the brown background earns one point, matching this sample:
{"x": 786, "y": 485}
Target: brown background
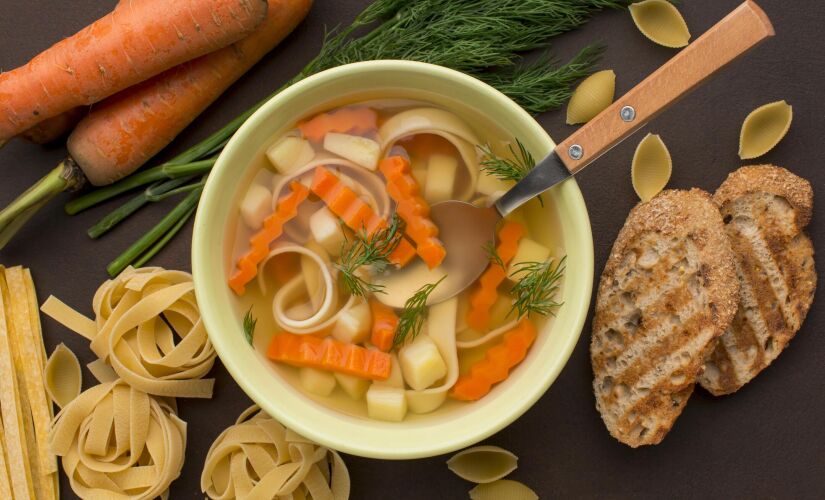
{"x": 765, "y": 442}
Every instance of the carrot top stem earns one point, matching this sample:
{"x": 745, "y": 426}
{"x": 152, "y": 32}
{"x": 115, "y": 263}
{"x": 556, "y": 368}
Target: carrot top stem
{"x": 65, "y": 177}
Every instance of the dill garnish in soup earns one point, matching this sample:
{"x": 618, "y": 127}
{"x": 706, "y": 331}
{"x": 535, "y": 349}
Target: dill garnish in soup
{"x": 344, "y": 197}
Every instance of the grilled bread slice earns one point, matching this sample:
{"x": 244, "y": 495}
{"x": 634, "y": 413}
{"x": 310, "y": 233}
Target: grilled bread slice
{"x": 668, "y": 291}
{"x": 765, "y": 210}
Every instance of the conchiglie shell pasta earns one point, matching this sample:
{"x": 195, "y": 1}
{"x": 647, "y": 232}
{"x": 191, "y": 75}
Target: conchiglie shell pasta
{"x": 651, "y": 167}
{"x": 593, "y": 95}
{"x": 763, "y": 128}
{"x": 661, "y": 22}
{"x": 62, "y": 376}
{"x": 483, "y": 464}
{"x": 503, "y": 489}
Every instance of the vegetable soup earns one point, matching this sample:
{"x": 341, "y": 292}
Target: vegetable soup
{"x": 344, "y": 199}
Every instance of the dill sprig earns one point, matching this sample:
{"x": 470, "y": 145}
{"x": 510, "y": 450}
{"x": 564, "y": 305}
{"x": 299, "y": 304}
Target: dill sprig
{"x": 536, "y": 287}
{"x": 412, "y": 317}
{"x": 492, "y": 253}
{"x": 507, "y": 169}
{"x": 370, "y": 251}
{"x": 249, "y": 324}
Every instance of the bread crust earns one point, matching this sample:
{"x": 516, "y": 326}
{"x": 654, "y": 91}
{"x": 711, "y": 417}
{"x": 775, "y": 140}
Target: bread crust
{"x": 765, "y": 209}
{"x": 668, "y": 291}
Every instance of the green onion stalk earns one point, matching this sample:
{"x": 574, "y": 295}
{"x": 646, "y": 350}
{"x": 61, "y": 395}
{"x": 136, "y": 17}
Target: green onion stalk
{"x": 484, "y": 38}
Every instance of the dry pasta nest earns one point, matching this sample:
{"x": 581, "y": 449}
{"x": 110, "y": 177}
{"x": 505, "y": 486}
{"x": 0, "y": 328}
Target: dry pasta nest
{"x": 118, "y": 442}
{"x": 258, "y": 458}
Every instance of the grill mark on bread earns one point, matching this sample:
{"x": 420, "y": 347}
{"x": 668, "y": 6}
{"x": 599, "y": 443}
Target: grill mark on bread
{"x": 634, "y": 423}
{"x": 767, "y": 208}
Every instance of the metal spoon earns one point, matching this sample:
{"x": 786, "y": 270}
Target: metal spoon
{"x": 465, "y": 229}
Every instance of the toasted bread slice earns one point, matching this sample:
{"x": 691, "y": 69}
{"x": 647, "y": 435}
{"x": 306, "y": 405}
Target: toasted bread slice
{"x": 668, "y": 291}
{"x": 765, "y": 209}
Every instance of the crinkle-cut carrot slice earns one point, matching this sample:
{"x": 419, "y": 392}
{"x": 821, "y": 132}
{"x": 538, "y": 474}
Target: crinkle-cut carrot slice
{"x": 413, "y": 209}
{"x": 384, "y": 323}
{"x": 286, "y": 209}
{"x": 356, "y": 214}
{"x": 330, "y": 355}
{"x": 345, "y": 120}
{"x": 483, "y": 298}
{"x": 497, "y": 363}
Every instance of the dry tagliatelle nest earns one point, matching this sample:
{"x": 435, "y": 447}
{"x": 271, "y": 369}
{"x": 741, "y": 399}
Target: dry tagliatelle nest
{"x": 259, "y": 459}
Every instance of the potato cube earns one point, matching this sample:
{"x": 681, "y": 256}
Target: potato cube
{"x": 421, "y": 363}
{"x": 419, "y": 173}
{"x": 528, "y": 251}
{"x": 357, "y": 149}
{"x": 396, "y": 378}
{"x": 316, "y": 381}
{"x": 327, "y": 231}
{"x": 290, "y": 153}
{"x": 353, "y": 325}
{"x": 386, "y": 403}
{"x": 441, "y": 172}
{"x": 355, "y": 387}
{"x": 256, "y": 206}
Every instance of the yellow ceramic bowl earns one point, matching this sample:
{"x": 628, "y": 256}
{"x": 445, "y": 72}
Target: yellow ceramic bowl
{"x": 446, "y": 429}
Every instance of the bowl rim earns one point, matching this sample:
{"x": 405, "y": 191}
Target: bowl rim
{"x": 204, "y": 276}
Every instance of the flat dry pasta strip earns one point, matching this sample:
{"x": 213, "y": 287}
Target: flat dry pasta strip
{"x": 259, "y": 459}
{"x": 63, "y": 376}
{"x": 142, "y": 450}
{"x": 5, "y": 481}
{"x": 139, "y": 317}
{"x": 102, "y": 371}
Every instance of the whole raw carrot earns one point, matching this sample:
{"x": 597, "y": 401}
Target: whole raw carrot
{"x": 136, "y": 41}
{"x": 122, "y": 132}
{"x": 56, "y": 127}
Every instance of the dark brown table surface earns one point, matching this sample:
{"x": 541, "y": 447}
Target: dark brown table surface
{"x": 766, "y": 441}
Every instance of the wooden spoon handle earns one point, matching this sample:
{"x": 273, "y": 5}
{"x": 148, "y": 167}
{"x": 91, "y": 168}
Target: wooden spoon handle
{"x": 731, "y": 37}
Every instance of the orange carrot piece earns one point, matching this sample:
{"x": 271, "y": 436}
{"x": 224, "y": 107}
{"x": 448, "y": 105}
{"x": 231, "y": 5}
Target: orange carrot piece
{"x": 347, "y": 120}
{"x": 117, "y": 51}
{"x": 384, "y": 323}
{"x": 127, "y": 129}
{"x": 330, "y": 355}
{"x": 412, "y": 209}
{"x": 287, "y": 208}
{"x": 483, "y": 298}
{"x": 497, "y": 363}
{"x": 356, "y": 214}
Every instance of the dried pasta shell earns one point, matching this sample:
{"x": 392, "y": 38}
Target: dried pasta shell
{"x": 593, "y": 95}
{"x": 503, "y": 489}
{"x": 62, "y": 376}
{"x": 651, "y": 167}
{"x": 483, "y": 464}
{"x": 763, "y": 128}
{"x": 661, "y": 22}
{"x": 260, "y": 458}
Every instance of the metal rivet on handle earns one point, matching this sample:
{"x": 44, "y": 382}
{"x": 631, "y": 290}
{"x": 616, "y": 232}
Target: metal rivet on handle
{"x": 576, "y": 152}
{"x": 627, "y": 113}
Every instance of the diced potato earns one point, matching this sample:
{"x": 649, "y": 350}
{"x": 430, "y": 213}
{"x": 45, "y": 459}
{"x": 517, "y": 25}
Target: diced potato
{"x": 357, "y": 149}
{"x": 396, "y": 378}
{"x": 353, "y": 325}
{"x": 256, "y": 206}
{"x": 316, "y": 381}
{"x": 386, "y": 403}
{"x": 490, "y": 184}
{"x": 441, "y": 172}
{"x": 528, "y": 251}
{"x": 421, "y": 363}
{"x": 290, "y": 153}
{"x": 327, "y": 231}
{"x": 419, "y": 173}
{"x": 355, "y": 387}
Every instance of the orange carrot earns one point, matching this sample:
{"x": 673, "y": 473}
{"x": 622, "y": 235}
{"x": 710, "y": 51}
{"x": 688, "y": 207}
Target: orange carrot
{"x": 483, "y": 298}
{"x": 56, "y": 127}
{"x": 356, "y": 214}
{"x": 132, "y": 43}
{"x": 349, "y": 120}
{"x": 124, "y": 131}
{"x": 329, "y": 354}
{"x": 412, "y": 209}
{"x": 497, "y": 363}
{"x": 287, "y": 208}
{"x": 384, "y": 323}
